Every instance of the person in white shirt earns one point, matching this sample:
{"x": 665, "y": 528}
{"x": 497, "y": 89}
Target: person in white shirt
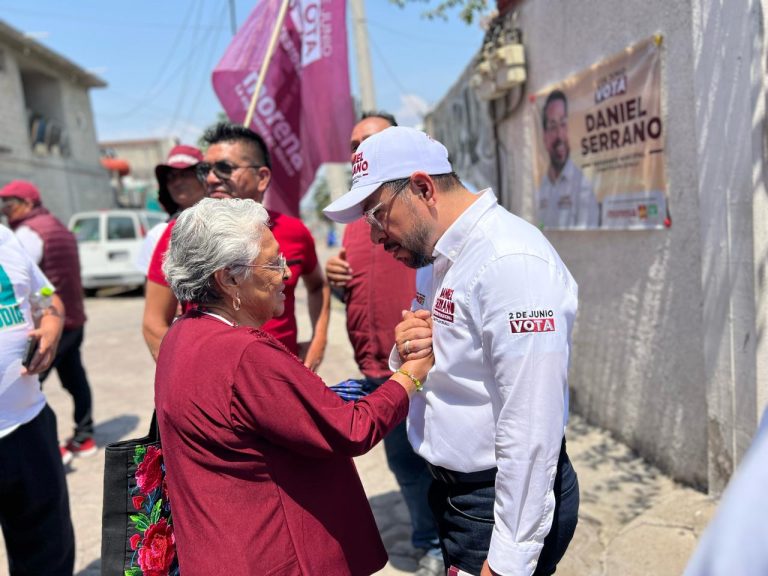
{"x": 565, "y": 197}
{"x": 736, "y": 540}
{"x": 497, "y": 307}
{"x": 35, "y": 515}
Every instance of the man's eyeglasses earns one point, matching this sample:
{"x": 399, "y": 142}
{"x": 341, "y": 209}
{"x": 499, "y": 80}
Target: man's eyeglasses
{"x": 280, "y": 266}
{"x": 370, "y": 215}
{"x": 222, "y": 169}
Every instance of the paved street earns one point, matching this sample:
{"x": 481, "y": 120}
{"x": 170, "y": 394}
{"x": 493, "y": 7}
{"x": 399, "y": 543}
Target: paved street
{"x": 634, "y": 521}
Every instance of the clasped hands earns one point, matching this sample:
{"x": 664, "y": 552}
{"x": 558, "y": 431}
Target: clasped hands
{"x": 413, "y": 335}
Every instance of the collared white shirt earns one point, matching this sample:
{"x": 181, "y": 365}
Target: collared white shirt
{"x": 503, "y": 306}
{"x": 569, "y": 201}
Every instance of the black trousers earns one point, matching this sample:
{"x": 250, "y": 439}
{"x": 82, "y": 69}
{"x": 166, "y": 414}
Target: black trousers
{"x": 34, "y": 504}
{"x": 464, "y": 516}
{"x": 72, "y": 375}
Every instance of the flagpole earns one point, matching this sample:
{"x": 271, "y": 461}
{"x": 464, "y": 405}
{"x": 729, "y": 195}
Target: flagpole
{"x": 265, "y": 63}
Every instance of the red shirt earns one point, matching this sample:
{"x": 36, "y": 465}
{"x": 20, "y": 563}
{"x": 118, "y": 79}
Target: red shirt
{"x": 298, "y": 247}
{"x": 259, "y": 456}
{"x": 380, "y": 289}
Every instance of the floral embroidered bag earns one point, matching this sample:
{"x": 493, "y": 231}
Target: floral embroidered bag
{"x": 137, "y": 527}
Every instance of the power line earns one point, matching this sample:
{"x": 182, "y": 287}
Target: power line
{"x": 163, "y": 74}
{"x": 206, "y": 76}
{"x": 389, "y": 70}
{"x": 88, "y": 22}
{"x": 418, "y": 38}
{"x": 186, "y": 75}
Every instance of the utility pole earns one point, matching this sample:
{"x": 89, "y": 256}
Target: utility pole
{"x": 232, "y": 17}
{"x": 367, "y": 95}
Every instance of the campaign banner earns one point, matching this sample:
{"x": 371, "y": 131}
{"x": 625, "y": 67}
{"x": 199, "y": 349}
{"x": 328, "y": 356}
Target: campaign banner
{"x": 599, "y": 158}
{"x": 304, "y": 111}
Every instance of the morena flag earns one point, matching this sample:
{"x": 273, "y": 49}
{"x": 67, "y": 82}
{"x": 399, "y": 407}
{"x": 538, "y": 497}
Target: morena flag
{"x": 304, "y": 110}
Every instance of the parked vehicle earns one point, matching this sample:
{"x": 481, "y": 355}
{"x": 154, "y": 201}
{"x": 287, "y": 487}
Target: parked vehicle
{"x": 108, "y": 242}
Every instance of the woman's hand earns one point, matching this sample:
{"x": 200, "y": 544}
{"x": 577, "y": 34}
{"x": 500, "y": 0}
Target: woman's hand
{"x": 413, "y": 335}
{"x": 419, "y": 368}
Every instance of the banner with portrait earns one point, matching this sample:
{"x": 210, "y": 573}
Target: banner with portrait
{"x": 599, "y": 157}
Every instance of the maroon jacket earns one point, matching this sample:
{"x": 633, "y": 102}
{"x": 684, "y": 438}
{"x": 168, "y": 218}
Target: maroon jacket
{"x": 380, "y": 289}
{"x": 61, "y": 263}
{"x": 259, "y": 456}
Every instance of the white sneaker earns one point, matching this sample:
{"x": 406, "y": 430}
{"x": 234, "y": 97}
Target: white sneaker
{"x": 430, "y": 566}
{"x": 66, "y": 455}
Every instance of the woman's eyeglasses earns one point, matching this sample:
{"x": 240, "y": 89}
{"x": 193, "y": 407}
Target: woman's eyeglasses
{"x": 280, "y": 266}
{"x": 222, "y": 169}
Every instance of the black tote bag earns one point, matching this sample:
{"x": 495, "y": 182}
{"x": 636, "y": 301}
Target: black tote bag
{"x": 137, "y": 527}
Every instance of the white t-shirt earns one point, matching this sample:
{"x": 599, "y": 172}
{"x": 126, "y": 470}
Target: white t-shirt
{"x": 32, "y": 242}
{"x": 20, "y": 396}
{"x": 503, "y": 306}
{"x": 144, "y": 257}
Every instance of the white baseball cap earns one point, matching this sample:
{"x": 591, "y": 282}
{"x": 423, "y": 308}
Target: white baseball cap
{"x": 396, "y": 152}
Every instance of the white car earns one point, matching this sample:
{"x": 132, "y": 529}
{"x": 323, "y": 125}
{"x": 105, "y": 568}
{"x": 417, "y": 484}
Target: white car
{"x": 109, "y": 242}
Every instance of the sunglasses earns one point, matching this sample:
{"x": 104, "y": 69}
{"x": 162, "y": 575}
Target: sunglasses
{"x": 222, "y": 169}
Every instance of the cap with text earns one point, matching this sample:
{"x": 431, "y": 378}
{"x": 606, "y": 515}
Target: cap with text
{"x": 394, "y": 153}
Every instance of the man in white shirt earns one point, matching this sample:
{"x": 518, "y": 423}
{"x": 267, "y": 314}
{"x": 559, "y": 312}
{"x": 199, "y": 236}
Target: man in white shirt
{"x": 34, "y": 515}
{"x": 736, "y": 540}
{"x": 565, "y": 198}
{"x": 497, "y": 307}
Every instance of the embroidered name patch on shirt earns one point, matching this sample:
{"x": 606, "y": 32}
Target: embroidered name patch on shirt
{"x": 444, "y": 306}
{"x": 532, "y": 321}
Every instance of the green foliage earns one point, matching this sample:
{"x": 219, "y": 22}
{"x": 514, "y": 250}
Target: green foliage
{"x": 141, "y": 521}
{"x": 154, "y": 517}
{"x": 138, "y": 454}
{"x": 469, "y": 8}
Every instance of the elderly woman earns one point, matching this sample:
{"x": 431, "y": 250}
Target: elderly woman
{"x": 258, "y": 450}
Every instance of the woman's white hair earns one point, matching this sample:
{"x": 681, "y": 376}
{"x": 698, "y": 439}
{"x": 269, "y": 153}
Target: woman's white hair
{"x": 209, "y": 236}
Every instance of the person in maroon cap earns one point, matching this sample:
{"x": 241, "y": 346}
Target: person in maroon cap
{"x": 54, "y": 248}
{"x": 178, "y": 189}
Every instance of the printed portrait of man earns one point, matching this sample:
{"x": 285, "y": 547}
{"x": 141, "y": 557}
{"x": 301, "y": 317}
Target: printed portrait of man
{"x": 565, "y": 198}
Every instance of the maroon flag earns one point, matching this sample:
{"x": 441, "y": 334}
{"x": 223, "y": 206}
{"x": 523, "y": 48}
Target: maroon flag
{"x": 304, "y": 111}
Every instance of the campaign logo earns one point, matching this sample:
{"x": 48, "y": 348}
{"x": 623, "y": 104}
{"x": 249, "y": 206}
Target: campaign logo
{"x": 10, "y": 310}
{"x": 420, "y": 298}
{"x": 444, "y": 307}
{"x": 532, "y": 321}
{"x": 359, "y": 167}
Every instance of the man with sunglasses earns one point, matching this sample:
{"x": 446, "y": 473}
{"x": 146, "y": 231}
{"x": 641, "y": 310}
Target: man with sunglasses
{"x": 497, "y": 308}
{"x": 237, "y": 164}
{"x": 376, "y": 289}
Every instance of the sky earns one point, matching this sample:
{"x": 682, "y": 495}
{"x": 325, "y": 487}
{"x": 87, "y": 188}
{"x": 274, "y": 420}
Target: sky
{"x": 156, "y": 57}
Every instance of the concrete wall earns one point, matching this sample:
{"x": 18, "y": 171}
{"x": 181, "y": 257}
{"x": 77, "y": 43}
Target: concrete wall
{"x": 669, "y": 344}
{"x": 68, "y": 182}
{"x": 464, "y": 125}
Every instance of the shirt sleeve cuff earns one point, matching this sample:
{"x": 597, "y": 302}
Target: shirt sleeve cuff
{"x": 394, "y": 359}
{"x": 513, "y": 558}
